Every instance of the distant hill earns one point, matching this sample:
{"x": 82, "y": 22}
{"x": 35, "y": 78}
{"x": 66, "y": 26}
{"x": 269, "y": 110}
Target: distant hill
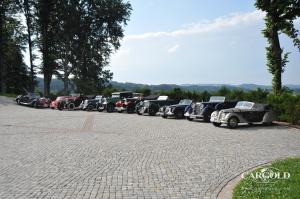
{"x": 57, "y": 85}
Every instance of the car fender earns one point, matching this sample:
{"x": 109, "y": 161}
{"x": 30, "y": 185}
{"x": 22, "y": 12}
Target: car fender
{"x": 269, "y": 117}
{"x": 241, "y": 119}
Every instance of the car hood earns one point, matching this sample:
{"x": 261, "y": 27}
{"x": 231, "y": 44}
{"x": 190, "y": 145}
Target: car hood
{"x": 232, "y": 110}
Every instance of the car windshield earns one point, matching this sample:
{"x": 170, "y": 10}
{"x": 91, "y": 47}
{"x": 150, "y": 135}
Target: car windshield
{"x": 244, "y": 105}
{"x": 217, "y": 99}
{"x": 115, "y": 95}
{"x": 98, "y": 97}
{"x": 185, "y": 102}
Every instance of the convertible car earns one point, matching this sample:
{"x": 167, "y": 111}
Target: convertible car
{"x": 243, "y": 112}
{"x": 176, "y": 110}
{"x": 34, "y": 100}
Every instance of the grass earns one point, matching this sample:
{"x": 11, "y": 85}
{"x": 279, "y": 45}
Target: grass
{"x": 8, "y": 95}
{"x": 251, "y": 187}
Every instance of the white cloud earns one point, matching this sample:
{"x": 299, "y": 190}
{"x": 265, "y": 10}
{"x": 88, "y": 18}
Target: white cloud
{"x": 232, "y": 20}
{"x": 174, "y": 48}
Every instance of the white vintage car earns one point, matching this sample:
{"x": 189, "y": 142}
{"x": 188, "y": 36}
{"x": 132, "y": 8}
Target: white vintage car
{"x": 243, "y": 112}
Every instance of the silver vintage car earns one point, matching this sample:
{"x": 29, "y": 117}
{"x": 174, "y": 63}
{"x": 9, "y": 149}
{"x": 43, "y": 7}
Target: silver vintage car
{"x": 243, "y": 112}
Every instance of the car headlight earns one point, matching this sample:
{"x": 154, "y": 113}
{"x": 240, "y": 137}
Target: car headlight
{"x": 223, "y": 115}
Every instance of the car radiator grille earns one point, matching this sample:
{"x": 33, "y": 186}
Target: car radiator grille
{"x": 198, "y": 109}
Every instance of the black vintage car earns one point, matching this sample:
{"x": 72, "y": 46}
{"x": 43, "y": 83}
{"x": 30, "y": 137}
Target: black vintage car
{"x": 34, "y": 100}
{"x": 203, "y": 110}
{"x": 92, "y": 104}
{"x": 176, "y": 110}
{"x": 151, "y": 107}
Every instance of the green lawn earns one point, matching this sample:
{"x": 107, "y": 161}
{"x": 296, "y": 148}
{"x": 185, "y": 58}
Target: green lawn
{"x": 254, "y": 187}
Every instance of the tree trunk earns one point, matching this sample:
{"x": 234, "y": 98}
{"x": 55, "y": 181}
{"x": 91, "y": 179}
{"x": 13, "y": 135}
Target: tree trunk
{"x": 28, "y": 23}
{"x": 3, "y": 69}
{"x": 66, "y": 84}
{"x": 277, "y": 55}
{"x": 47, "y": 83}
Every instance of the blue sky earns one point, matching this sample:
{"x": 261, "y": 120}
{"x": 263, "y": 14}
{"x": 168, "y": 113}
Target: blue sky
{"x": 197, "y": 41}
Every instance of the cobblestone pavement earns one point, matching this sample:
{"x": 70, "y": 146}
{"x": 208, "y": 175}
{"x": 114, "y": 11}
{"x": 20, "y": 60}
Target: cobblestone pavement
{"x": 73, "y": 154}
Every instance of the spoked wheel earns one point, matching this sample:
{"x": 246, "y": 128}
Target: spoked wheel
{"x": 233, "y": 122}
{"x": 71, "y": 106}
{"x": 90, "y": 107}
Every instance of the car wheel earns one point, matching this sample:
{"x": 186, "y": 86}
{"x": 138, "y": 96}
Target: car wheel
{"x": 268, "y": 123}
{"x": 130, "y": 109}
{"x": 216, "y": 124}
{"x": 18, "y": 101}
{"x": 90, "y": 107}
{"x": 71, "y": 106}
{"x": 233, "y": 122}
{"x": 110, "y": 108}
{"x": 164, "y": 116}
{"x": 206, "y": 118}
{"x": 189, "y": 119}
{"x": 100, "y": 109}
{"x": 179, "y": 114}
{"x": 138, "y": 112}
{"x": 34, "y": 105}
{"x": 60, "y": 106}
{"x": 152, "y": 112}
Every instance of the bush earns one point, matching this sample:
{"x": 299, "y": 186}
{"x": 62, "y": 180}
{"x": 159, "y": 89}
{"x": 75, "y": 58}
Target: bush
{"x": 286, "y": 105}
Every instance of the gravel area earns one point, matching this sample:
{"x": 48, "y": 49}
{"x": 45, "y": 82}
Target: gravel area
{"x": 74, "y": 154}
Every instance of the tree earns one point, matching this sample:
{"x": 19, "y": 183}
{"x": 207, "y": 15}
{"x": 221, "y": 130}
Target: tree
{"x": 12, "y": 41}
{"x": 27, "y": 7}
{"x": 47, "y": 28}
{"x": 99, "y": 34}
{"x": 280, "y": 16}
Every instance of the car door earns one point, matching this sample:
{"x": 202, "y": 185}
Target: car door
{"x": 25, "y": 99}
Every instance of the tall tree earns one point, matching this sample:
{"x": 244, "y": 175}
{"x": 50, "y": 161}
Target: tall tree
{"x": 28, "y": 8}
{"x": 99, "y": 34}
{"x": 47, "y": 29}
{"x": 280, "y": 16}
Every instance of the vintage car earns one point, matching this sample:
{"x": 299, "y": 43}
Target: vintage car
{"x": 203, "y": 110}
{"x": 72, "y": 103}
{"x": 151, "y": 107}
{"x": 92, "y": 104}
{"x": 54, "y": 103}
{"x": 109, "y": 104}
{"x": 140, "y": 104}
{"x": 176, "y": 110}
{"x": 34, "y": 100}
{"x": 127, "y": 104}
{"x": 243, "y": 112}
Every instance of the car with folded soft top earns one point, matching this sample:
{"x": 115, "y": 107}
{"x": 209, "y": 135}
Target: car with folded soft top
{"x": 34, "y": 100}
{"x": 54, "y": 103}
{"x": 73, "y": 102}
{"x": 109, "y": 104}
{"x": 244, "y": 112}
{"x": 203, "y": 110}
{"x": 176, "y": 110}
{"x": 92, "y": 103}
{"x": 151, "y": 107}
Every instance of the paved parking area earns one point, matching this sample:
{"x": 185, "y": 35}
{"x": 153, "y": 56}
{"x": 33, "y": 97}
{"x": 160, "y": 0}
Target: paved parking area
{"x": 73, "y": 154}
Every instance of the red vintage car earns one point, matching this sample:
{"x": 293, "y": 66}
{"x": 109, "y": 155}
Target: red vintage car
{"x": 54, "y": 103}
{"x": 127, "y": 105}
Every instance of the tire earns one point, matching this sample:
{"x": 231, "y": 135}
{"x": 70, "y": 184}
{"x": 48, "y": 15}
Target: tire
{"x": 120, "y": 111}
{"x": 268, "y": 123}
{"x": 152, "y": 112}
{"x": 216, "y": 124}
{"x": 99, "y": 109}
{"x": 110, "y": 108}
{"x": 60, "y": 106}
{"x": 18, "y": 101}
{"x": 71, "y": 106}
{"x": 34, "y": 105}
{"x": 90, "y": 107}
{"x": 232, "y": 122}
{"x": 138, "y": 112}
{"x": 189, "y": 119}
{"x": 179, "y": 114}
{"x": 206, "y": 118}
{"x": 130, "y": 109}
{"x": 164, "y": 116}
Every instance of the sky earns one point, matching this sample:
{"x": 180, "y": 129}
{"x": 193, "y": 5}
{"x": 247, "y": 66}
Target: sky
{"x": 197, "y": 42}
